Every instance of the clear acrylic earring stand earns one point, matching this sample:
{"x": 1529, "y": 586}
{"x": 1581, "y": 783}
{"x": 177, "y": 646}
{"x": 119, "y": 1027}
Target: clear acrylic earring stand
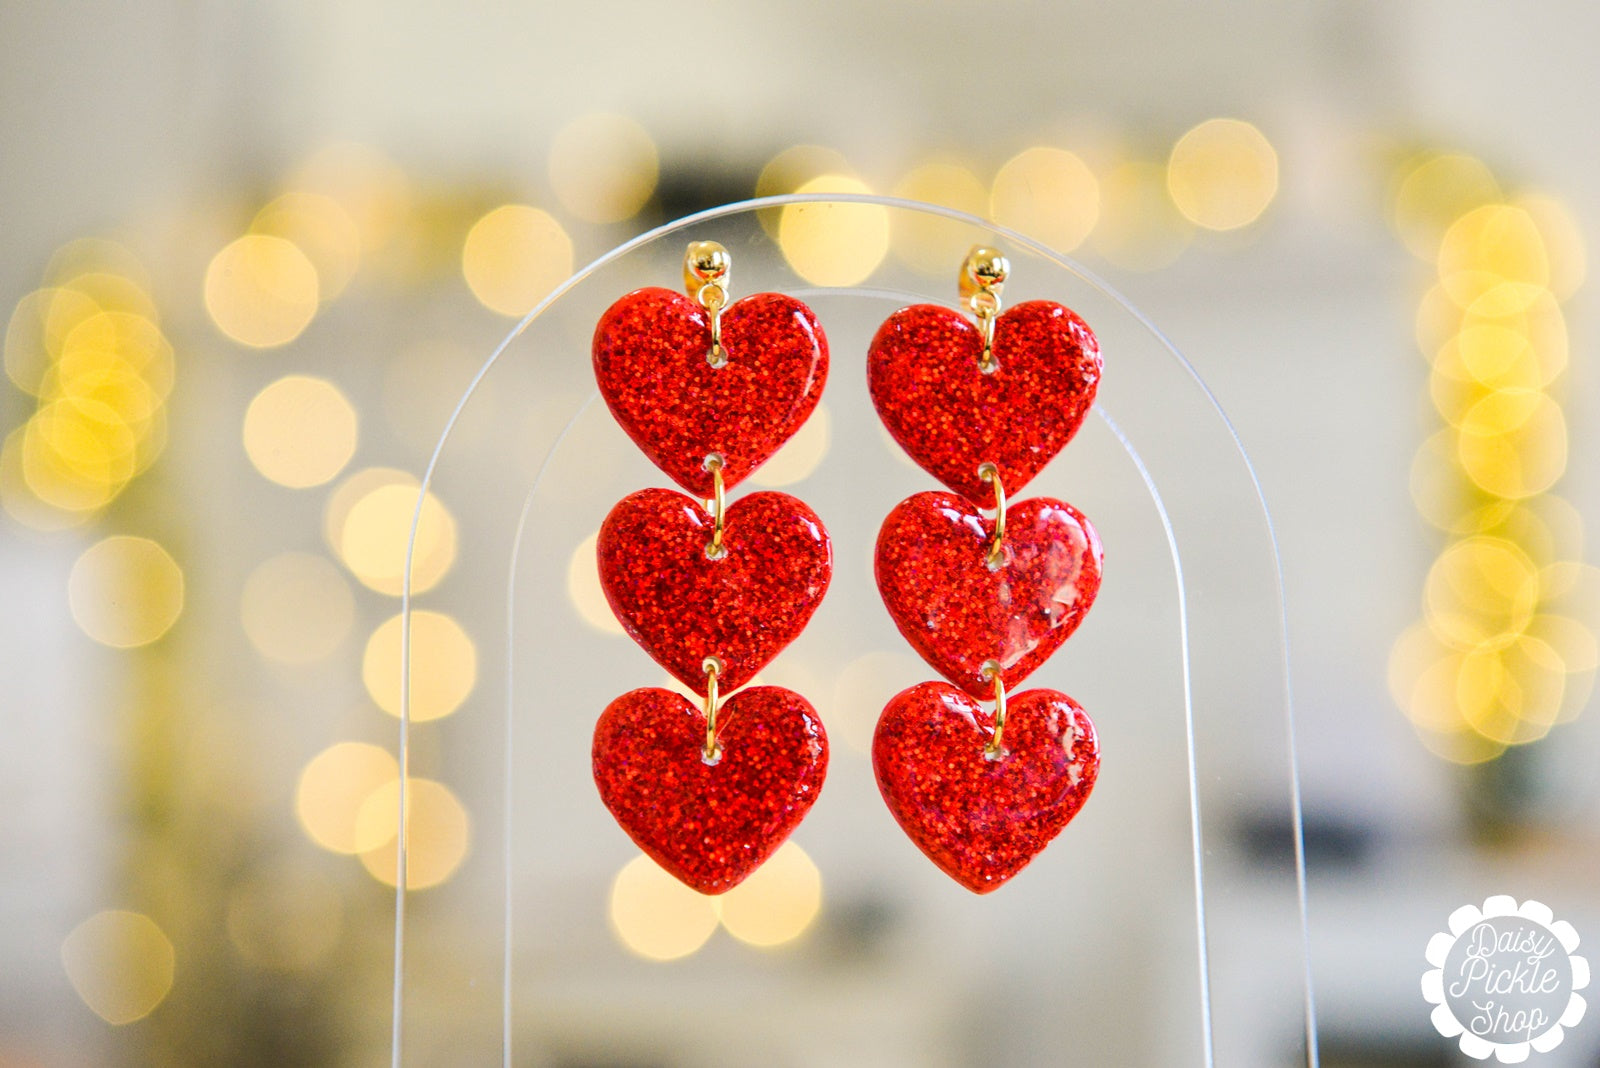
{"x": 1164, "y": 927}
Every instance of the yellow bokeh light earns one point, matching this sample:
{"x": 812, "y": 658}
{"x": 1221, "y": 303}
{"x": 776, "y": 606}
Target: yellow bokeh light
{"x": 929, "y": 243}
{"x": 1513, "y": 443}
{"x": 319, "y": 227}
{"x": 832, "y": 244}
{"x": 777, "y": 902}
{"x": 444, "y": 665}
{"x": 1222, "y": 174}
{"x": 438, "y": 833}
{"x": 332, "y": 789}
{"x": 296, "y": 608}
{"x": 287, "y": 919}
{"x": 861, "y": 689}
{"x": 1433, "y": 192}
{"x": 376, "y": 530}
{"x": 37, "y": 329}
{"x": 120, "y": 963}
{"x": 300, "y": 431}
{"x": 791, "y": 169}
{"x": 96, "y": 255}
{"x": 19, "y": 500}
{"x": 584, "y": 590}
{"x": 1494, "y": 257}
{"x": 371, "y": 188}
{"x": 1464, "y": 746}
{"x": 1480, "y": 594}
{"x": 261, "y": 291}
{"x": 800, "y": 455}
{"x": 1140, "y": 228}
{"x": 603, "y": 167}
{"x": 1049, "y": 194}
{"x": 1562, "y": 239}
{"x": 78, "y": 454}
{"x": 655, "y": 915}
{"x": 125, "y": 591}
{"x": 513, "y": 257}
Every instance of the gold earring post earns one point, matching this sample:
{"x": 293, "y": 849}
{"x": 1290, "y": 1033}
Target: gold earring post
{"x": 706, "y": 269}
{"x": 983, "y": 276}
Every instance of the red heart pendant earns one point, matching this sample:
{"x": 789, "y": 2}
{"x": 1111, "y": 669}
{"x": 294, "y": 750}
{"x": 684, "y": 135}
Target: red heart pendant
{"x": 933, "y": 572}
{"x": 949, "y": 416}
{"x": 650, "y": 360}
{"x": 710, "y": 823}
{"x": 681, "y": 606}
{"x": 981, "y": 820}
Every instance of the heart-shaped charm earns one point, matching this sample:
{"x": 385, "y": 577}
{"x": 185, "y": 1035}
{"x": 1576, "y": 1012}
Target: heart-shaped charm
{"x": 650, "y": 359}
{"x": 933, "y": 572}
{"x": 681, "y": 605}
{"x": 710, "y": 822}
{"x": 982, "y": 820}
{"x": 950, "y": 416}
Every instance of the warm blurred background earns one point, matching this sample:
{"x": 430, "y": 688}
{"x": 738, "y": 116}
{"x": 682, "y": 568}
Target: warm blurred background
{"x": 253, "y": 254}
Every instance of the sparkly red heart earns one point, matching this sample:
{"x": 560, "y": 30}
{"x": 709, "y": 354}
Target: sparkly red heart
{"x": 710, "y": 823}
{"x": 980, "y": 820}
{"x": 682, "y": 606}
{"x": 933, "y": 572}
{"x": 650, "y": 360}
{"x": 949, "y": 416}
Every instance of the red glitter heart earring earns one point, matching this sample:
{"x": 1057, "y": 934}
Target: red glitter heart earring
{"x": 709, "y": 390}
{"x": 983, "y": 405}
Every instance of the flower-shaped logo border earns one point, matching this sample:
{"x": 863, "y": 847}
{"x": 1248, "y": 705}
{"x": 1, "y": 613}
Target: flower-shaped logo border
{"x": 1505, "y": 979}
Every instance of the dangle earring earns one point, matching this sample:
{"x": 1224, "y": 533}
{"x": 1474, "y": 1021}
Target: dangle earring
{"x": 983, "y": 405}
{"x": 709, "y": 391}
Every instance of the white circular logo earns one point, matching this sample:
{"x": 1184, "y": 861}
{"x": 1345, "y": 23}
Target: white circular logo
{"x": 1505, "y": 979}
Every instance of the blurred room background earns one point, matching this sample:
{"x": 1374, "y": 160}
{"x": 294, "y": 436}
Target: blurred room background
{"x": 254, "y": 254}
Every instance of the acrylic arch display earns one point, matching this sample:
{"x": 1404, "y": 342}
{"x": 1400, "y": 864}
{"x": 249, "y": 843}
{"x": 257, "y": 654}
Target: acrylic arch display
{"x": 1165, "y": 926}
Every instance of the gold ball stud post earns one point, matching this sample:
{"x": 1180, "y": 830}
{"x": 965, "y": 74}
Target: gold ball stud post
{"x": 985, "y": 271}
{"x": 705, "y": 263}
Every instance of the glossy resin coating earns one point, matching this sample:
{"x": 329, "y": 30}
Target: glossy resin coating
{"x": 681, "y": 606}
{"x": 933, "y": 571}
{"x": 950, "y": 417}
{"x": 980, "y": 820}
{"x": 710, "y": 824}
{"x": 650, "y": 362}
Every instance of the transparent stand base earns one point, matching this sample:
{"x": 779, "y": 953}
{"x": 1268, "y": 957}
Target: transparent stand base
{"x": 1163, "y": 927}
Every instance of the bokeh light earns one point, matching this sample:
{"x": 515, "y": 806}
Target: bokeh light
{"x": 1494, "y": 258}
{"x": 791, "y": 169}
{"x": 1222, "y": 174}
{"x": 1481, "y": 593}
{"x": 777, "y": 903}
{"x": 296, "y": 608}
{"x": 125, "y": 591}
{"x": 121, "y": 964}
{"x": 928, "y": 243}
{"x": 656, "y": 916}
{"x": 1049, "y": 194}
{"x": 438, "y": 833}
{"x": 1562, "y": 239}
{"x": 861, "y": 689}
{"x": 332, "y": 788}
{"x": 584, "y": 590}
{"x": 370, "y": 529}
{"x": 513, "y": 257}
{"x": 603, "y": 168}
{"x": 800, "y": 455}
{"x": 261, "y": 291}
{"x": 834, "y": 244}
{"x": 444, "y": 665}
{"x": 322, "y": 230}
{"x": 1513, "y": 443}
{"x": 300, "y": 431}
{"x": 1434, "y": 190}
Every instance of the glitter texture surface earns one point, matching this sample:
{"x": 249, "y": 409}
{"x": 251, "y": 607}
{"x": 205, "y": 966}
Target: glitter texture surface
{"x": 710, "y": 825}
{"x": 650, "y": 361}
{"x": 922, "y": 370}
{"x": 682, "y": 607}
{"x": 932, "y": 569}
{"x": 981, "y": 821}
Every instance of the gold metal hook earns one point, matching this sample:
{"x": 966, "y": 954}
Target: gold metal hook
{"x": 991, "y": 671}
{"x": 991, "y": 474}
{"x": 983, "y": 276}
{"x": 716, "y": 550}
{"x": 711, "y": 752}
{"x": 706, "y": 267}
